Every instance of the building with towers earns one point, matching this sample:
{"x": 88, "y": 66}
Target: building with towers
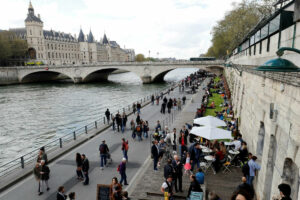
{"x": 59, "y": 48}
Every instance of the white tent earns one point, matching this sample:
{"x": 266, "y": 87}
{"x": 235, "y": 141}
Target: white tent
{"x": 211, "y": 133}
{"x": 209, "y": 121}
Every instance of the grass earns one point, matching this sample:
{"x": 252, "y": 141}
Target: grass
{"x": 218, "y": 101}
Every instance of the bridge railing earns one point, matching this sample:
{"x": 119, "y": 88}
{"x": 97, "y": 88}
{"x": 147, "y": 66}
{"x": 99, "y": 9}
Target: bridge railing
{"x": 30, "y": 157}
{"x": 159, "y": 63}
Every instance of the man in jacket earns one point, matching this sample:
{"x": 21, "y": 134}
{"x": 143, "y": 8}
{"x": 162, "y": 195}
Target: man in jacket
{"x": 37, "y": 175}
{"x": 107, "y": 114}
{"x": 168, "y": 169}
{"x": 155, "y": 153}
{"x": 119, "y": 121}
{"x": 45, "y": 172}
{"x": 123, "y": 172}
{"x": 85, "y": 169}
{"x": 61, "y": 193}
{"x": 177, "y": 165}
{"x": 103, "y": 148}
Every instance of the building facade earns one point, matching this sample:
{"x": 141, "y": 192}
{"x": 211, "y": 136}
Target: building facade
{"x": 58, "y": 48}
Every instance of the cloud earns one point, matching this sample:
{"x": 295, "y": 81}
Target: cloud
{"x": 174, "y": 28}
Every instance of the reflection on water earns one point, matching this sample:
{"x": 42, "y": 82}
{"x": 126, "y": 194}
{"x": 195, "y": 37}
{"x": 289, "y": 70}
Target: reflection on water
{"x": 33, "y": 114}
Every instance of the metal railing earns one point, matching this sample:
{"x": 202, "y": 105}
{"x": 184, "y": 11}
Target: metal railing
{"x": 58, "y": 143}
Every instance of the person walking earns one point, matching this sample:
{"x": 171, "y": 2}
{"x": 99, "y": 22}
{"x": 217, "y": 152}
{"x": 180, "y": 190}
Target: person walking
{"x": 194, "y": 186}
{"x": 182, "y": 141}
{"x": 123, "y": 122}
{"x": 103, "y": 149}
{"x": 85, "y": 169}
{"x": 152, "y": 99}
{"x": 125, "y": 147}
{"x": 138, "y": 119}
{"x": 183, "y": 100}
{"x": 167, "y": 188}
{"x": 179, "y": 104}
{"x": 253, "y": 167}
{"x": 169, "y": 105}
{"x": 173, "y": 139}
{"x": 145, "y": 129}
{"x": 119, "y": 121}
{"x": 138, "y": 107}
{"x": 45, "y": 172}
{"x": 79, "y": 166}
{"x": 42, "y": 156}
{"x": 177, "y": 165}
{"x": 113, "y": 122}
{"x": 138, "y": 130}
{"x": 37, "y": 175}
{"x": 122, "y": 170}
{"x": 61, "y": 193}
{"x": 134, "y": 108}
{"x": 155, "y": 154}
{"x": 71, "y": 196}
{"x": 163, "y": 108}
{"x": 107, "y": 114}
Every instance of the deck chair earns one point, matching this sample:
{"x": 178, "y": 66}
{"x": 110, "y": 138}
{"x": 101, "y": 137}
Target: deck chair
{"x": 227, "y": 164}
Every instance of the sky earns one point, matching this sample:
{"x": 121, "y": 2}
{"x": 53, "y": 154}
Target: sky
{"x": 166, "y": 28}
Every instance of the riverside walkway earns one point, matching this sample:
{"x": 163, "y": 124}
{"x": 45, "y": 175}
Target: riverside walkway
{"x": 63, "y": 169}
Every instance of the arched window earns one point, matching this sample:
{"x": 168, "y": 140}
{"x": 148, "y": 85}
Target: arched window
{"x": 261, "y": 138}
{"x": 290, "y": 175}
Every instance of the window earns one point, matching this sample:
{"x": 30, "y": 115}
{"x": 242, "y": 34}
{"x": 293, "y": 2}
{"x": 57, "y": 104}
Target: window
{"x": 30, "y": 32}
{"x": 257, "y": 36}
{"x": 55, "y": 46}
{"x": 250, "y": 51}
{"x": 59, "y": 55}
{"x": 264, "y": 31}
{"x": 252, "y": 40}
{"x": 52, "y": 54}
{"x": 48, "y": 46}
{"x": 52, "y": 46}
{"x": 49, "y": 56}
{"x": 274, "y": 25}
{"x": 66, "y": 55}
{"x": 40, "y": 33}
{"x": 56, "y": 55}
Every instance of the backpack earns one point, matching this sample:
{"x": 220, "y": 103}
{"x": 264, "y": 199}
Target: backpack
{"x": 126, "y": 146}
{"x": 138, "y": 128}
{"x": 245, "y": 169}
{"x": 102, "y": 148}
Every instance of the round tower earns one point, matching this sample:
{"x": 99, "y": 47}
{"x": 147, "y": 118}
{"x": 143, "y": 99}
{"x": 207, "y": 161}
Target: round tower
{"x": 35, "y": 36}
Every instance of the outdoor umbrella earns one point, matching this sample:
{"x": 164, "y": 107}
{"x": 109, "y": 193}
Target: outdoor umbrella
{"x": 211, "y": 133}
{"x": 209, "y": 121}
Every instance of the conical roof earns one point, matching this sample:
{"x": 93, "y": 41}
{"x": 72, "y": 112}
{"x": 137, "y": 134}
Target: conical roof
{"x": 105, "y": 40}
{"x": 90, "y": 37}
{"x": 81, "y": 36}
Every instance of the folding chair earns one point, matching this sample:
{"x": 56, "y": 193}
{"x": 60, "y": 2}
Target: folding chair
{"x": 227, "y": 164}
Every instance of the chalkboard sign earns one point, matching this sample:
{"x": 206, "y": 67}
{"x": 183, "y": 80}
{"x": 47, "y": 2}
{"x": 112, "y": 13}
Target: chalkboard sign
{"x": 103, "y": 192}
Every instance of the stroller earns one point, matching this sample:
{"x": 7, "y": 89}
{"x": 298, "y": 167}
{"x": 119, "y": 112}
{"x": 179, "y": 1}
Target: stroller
{"x": 109, "y": 159}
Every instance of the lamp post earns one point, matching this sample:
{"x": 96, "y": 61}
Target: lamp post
{"x": 280, "y": 64}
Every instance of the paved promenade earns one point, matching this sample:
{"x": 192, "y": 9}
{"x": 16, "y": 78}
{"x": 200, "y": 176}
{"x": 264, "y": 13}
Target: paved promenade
{"x": 148, "y": 183}
{"x": 63, "y": 169}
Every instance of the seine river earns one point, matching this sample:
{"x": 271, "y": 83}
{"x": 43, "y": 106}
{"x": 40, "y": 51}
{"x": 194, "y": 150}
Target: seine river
{"x": 34, "y": 114}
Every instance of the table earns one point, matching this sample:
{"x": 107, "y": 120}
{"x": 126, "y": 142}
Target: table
{"x": 206, "y": 150}
{"x": 234, "y": 153}
{"x": 228, "y": 144}
{"x": 209, "y": 160}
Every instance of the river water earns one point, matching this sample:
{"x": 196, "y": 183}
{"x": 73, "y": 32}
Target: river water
{"x": 34, "y": 114}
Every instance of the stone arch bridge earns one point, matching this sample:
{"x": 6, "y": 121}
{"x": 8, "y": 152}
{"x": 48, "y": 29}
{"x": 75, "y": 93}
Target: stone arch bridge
{"x": 148, "y": 71}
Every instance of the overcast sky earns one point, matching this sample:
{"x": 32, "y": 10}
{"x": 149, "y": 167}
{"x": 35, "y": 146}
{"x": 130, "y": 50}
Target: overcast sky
{"x": 168, "y": 28}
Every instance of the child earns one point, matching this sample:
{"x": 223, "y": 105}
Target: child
{"x": 187, "y": 165}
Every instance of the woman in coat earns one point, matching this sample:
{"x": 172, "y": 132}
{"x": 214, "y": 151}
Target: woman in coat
{"x": 79, "y": 166}
{"x": 115, "y": 189}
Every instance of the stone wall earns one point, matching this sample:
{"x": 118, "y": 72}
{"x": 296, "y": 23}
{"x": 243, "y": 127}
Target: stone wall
{"x": 273, "y": 136}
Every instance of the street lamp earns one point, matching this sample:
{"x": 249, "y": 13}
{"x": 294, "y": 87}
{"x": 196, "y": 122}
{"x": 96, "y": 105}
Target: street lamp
{"x": 280, "y": 64}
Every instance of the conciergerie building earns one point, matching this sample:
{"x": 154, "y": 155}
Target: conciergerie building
{"x": 58, "y": 48}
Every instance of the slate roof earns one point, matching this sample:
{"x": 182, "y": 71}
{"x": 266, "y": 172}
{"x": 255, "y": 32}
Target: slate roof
{"x": 20, "y": 32}
{"x": 30, "y": 16}
{"x": 113, "y": 44}
{"x": 90, "y": 37}
{"x": 58, "y": 35}
{"x": 81, "y": 36}
{"x": 105, "y": 40}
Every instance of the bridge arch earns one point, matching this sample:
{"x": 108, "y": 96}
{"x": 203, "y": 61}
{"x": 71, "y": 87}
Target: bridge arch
{"x": 43, "y": 76}
{"x": 101, "y": 75}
